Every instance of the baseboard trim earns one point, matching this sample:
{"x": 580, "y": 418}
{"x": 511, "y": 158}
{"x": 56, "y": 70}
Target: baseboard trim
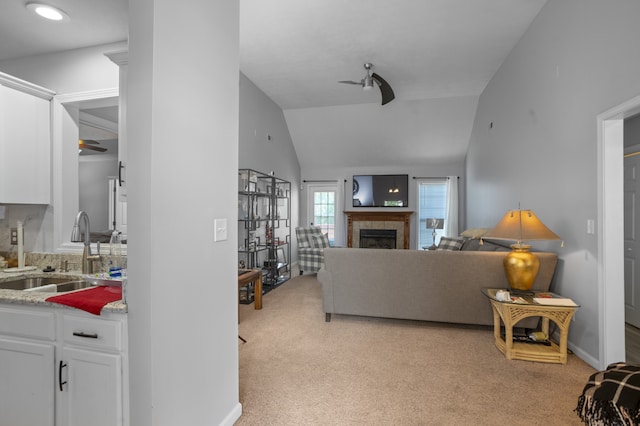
{"x": 233, "y": 416}
{"x": 594, "y": 362}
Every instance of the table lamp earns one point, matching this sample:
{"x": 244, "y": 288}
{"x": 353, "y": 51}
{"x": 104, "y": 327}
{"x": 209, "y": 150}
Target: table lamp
{"x": 521, "y": 266}
{"x": 434, "y": 224}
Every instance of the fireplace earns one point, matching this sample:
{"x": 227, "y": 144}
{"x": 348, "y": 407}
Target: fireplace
{"x": 397, "y": 221}
{"x": 378, "y": 238}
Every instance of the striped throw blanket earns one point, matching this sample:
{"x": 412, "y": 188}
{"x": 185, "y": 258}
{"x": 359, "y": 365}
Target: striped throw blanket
{"x": 612, "y": 396}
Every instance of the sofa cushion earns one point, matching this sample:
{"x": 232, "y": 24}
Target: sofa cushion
{"x": 489, "y": 246}
{"x": 451, "y": 244}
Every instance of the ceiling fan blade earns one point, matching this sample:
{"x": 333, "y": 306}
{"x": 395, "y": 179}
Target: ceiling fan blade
{"x": 350, "y": 82}
{"x": 91, "y": 147}
{"x": 385, "y": 89}
{"x": 88, "y": 141}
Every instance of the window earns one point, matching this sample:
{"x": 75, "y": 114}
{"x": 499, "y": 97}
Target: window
{"x": 324, "y": 212}
{"x": 432, "y": 203}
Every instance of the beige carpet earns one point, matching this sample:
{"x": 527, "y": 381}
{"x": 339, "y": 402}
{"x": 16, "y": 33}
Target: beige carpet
{"x": 297, "y": 369}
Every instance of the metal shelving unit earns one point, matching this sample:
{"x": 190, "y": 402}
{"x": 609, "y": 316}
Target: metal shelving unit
{"x": 264, "y": 225}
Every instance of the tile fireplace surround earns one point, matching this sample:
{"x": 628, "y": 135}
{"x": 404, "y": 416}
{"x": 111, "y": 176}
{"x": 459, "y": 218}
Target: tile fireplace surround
{"x": 398, "y": 220}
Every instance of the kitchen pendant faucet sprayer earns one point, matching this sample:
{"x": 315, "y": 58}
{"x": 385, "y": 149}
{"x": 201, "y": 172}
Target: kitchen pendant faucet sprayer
{"x": 76, "y": 237}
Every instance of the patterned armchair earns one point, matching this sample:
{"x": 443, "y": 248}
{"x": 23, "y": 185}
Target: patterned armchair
{"x": 311, "y": 244}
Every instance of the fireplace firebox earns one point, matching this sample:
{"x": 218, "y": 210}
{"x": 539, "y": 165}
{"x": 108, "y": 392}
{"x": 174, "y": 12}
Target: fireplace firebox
{"x": 378, "y": 238}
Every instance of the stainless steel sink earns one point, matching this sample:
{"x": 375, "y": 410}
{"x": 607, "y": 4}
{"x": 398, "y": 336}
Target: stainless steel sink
{"x": 73, "y": 285}
{"x": 28, "y": 283}
{"x": 45, "y": 284}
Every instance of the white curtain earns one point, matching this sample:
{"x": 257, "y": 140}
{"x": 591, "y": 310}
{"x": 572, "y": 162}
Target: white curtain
{"x": 339, "y": 231}
{"x": 451, "y": 226}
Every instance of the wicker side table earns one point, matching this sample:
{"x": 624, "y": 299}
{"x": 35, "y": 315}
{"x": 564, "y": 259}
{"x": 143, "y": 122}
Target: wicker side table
{"x": 509, "y": 313}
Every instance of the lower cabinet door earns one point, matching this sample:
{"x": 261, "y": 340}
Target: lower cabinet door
{"x": 93, "y": 392}
{"x": 26, "y": 383}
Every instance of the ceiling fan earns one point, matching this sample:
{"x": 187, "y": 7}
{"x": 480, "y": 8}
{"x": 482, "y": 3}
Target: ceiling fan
{"x": 89, "y": 144}
{"x": 367, "y": 84}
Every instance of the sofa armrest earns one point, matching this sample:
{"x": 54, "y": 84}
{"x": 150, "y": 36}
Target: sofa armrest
{"x": 325, "y": 278}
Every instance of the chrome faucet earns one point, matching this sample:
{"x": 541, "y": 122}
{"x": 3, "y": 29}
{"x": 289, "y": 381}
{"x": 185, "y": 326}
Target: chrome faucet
{"x": 76, "y": 237}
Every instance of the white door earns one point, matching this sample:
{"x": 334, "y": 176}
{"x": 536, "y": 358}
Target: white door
{"x": 117, "y": 207}
{"x": 93, "y": 393}
{"x": 631, "y": 247}
{"x": 26, "y": 383}
{"x": 324, "y": 209}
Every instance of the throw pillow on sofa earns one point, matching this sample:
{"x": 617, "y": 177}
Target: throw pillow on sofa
{"x": 450, "y": 244}
{"x": 474, "y": 232}
{"x": 471, "y": 244}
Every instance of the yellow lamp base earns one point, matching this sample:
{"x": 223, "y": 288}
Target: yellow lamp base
{"x": 521, "y": 267}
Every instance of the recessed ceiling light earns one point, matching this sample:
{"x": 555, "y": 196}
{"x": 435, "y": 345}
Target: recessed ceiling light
{"x": 48, "y": 12}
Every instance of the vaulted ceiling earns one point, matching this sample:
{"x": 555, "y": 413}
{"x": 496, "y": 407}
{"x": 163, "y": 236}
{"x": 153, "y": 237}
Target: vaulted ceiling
{"x": 438, "y": 56}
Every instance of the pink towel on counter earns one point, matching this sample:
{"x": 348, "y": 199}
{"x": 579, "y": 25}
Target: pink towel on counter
{"x": 91, "y": 300}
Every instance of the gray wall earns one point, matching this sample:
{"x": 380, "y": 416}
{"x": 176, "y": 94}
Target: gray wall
{"x": 265, "y": 144}
{"x": 576, "y": 60}
{"x": 342, "y": 173}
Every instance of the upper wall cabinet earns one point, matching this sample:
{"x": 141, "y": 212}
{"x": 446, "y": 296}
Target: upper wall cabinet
{"x": 25, "y": 142}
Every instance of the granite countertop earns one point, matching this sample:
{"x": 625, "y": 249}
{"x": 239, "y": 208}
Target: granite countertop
{"x": 20, "y": 297}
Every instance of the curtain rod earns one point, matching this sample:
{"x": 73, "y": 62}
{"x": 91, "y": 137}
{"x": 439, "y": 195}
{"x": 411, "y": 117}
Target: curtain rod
{"x": 305, "y": 181}
{"x": 433, "y": 177}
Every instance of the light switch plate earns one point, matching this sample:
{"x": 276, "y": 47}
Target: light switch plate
{"x": 219, "y": 230}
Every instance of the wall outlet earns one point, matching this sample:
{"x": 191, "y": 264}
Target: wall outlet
{"x": 14, "y": 236}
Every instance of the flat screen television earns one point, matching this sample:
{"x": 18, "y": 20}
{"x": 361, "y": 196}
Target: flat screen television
{"x": 380, "y": 190}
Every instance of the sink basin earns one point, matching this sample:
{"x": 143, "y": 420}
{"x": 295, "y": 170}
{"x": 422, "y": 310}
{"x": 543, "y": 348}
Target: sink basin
{"x": 28, "y": 283}
{"x": 73, "y": 285}
{"x": 45, "y": 284}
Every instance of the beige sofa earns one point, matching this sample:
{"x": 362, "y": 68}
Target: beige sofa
{"x": 442, "y": 286}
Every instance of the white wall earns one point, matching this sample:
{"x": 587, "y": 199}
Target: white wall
{"x": 574, "y": 62}
{"x": 37, "y": 227}
{"x": 412, "y": 133}
{"x": 71, "y": 71}
{"x": 265, "y": 144}
{"x": 403, "y": 137}
{"x": 183, "y": 116}
{"x": 346, "y": 173}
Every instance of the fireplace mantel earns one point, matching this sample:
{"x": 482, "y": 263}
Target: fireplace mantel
{"x": 379, "y": 216}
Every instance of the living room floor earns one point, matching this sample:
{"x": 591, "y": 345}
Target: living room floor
{"x": 297, "y": 369}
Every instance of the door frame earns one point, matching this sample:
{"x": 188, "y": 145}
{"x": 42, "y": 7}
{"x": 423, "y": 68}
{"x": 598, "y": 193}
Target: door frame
{"x": 339, "y": 233}
{"x": 610, "y": 201}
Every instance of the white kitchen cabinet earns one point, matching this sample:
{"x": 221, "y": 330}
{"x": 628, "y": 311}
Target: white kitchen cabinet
{"x": 93, "y": 388}
{"x": 27, "y": 393}
{"x": 62, "y": 368}
{"x": 92, "y": 357}
{"x": 27, "y": 365}
{"x": 25, "y": 142}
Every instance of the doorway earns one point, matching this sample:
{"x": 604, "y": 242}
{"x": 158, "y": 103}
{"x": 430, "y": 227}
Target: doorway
{"x": 631, "y": 242}
{"x": 610, "y": 148}
{"x": 324, "y": 209}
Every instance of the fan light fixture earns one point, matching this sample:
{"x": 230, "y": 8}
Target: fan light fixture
{"x": 367, "y": 84}
{"x": 48, "y": 12}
